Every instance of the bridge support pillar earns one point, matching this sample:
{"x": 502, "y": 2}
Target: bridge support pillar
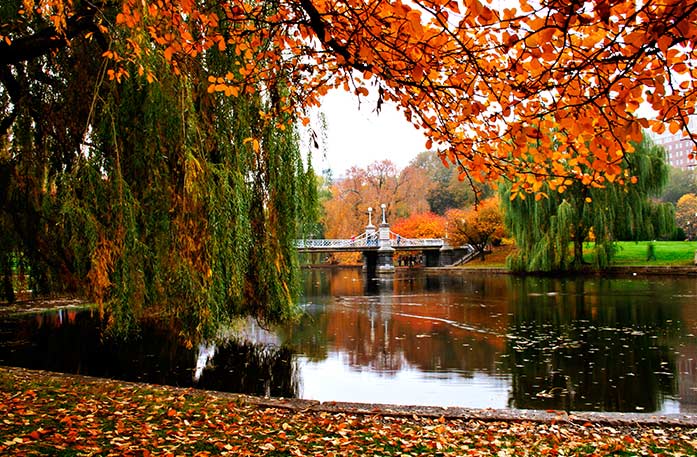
{"x": 385, "y": 260}
{"x": 445, "y": 255}
{"x": 431, "y": 258}
{"x": 385, "y": 251}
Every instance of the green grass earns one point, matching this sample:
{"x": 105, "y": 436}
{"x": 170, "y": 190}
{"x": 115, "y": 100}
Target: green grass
{"x": 668, "y": 253}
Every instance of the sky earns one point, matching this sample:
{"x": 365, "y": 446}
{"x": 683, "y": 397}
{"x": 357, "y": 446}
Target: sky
{"x": 361, "y": 136}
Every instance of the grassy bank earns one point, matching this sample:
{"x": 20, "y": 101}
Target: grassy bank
{"x": 629, "y": 253}
{"x": 667, "y": 253}
{"x": 44, "y": 414}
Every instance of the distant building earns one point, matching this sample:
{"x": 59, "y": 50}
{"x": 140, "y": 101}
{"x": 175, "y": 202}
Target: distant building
{"x": 677, "y": 147}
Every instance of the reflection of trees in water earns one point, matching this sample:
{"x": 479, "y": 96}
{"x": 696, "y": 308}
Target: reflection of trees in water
{"x": 457, "y": 328}
{"x": 579, "y": 344}
{"x": 255, "y": 369}
{"x": 385, "y": 342}
{"x": 154, "y": 355}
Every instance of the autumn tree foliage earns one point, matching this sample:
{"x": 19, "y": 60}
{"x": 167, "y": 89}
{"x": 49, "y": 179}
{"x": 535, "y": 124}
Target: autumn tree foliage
{"x": 479, "y": 226}
{"x": 686, "y": 215}
{"x": 148, "y": 194}
{"x": 420, "y": 225}
{"x": 484, "y": 84}
{"x": 482, "y": 81}
{"x": 346, "y": 212}
{"x": 446, "y": 190}
{"x": 544, "y": 227}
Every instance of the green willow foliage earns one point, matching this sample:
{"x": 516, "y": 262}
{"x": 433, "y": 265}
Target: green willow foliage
{"x": 545, "y": 229}
{"x": 158, "y": 204}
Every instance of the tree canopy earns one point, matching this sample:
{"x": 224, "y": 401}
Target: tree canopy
{"x": 478, "y": 226}
{"x": 686, "y": 215}
{"x": 482, "y": 82}
{"x": 681, "y": 181}
{"x": 446, "y": 190}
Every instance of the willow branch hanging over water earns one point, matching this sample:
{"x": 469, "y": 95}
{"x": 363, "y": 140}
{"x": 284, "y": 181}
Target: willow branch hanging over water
{"x": 550, "y": 230}
{"x": 150, "y": 194}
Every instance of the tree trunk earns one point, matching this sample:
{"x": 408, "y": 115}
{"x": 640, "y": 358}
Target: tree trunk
{"x": 578, "y": 252}
{"x": 6, "y": 266}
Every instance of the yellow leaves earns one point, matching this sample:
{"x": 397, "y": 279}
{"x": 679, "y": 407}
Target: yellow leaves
{"x": 221, "y": 85}
{"x": 117, "y": 74}
{"x": 254, "y": 142}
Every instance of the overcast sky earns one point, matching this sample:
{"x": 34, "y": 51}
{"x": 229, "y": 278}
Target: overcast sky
{"x": 361, "y": 136}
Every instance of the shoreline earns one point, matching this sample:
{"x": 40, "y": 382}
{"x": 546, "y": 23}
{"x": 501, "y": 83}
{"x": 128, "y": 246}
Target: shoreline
{"x": 51, "y": 414}
{"x": 299, "y": 405}
{"x": 623, "y": 270}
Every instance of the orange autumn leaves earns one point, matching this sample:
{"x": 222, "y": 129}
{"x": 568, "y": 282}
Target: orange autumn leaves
{"x": 421, "y": 225}
{"x": 486, "y": 84}
{"x": 478, "y": 226}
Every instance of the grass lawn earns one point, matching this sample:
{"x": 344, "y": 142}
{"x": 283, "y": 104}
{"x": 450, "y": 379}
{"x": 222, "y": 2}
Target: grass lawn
{"x": 668, "y": 253}
{"x": 629, "y": 253}
{"x": 46, "y": 414}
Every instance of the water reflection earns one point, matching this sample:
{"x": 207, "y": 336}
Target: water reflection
{"x": 72, "y": 342}
{"x": 577, "y": 344}
{"x": 468, "y": 340}
{"x": 601, "y": 345}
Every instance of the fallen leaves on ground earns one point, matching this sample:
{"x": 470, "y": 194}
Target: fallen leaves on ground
{"x": 46, "y": 414}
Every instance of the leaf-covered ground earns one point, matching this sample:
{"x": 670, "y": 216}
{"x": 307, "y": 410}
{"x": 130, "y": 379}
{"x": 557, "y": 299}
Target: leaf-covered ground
{"x": 45, "y": 414}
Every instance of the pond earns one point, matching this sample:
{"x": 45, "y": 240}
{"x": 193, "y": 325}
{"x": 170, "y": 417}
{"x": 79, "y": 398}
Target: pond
{"x": 471, "y": 340}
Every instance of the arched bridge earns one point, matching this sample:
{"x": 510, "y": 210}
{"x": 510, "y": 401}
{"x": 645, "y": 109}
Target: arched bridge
{"x": 364, "y": 242}
{"x": 378, "y": 245}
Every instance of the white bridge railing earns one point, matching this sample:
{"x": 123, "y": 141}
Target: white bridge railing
{"x": 397, "y": 240}
{"x": 362, "y": 241}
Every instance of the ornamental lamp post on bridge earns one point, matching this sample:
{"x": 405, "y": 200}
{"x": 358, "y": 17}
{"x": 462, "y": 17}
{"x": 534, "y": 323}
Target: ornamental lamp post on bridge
{"x": 370, "y": 228}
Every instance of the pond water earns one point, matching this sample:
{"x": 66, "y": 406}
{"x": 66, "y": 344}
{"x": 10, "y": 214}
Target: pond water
{"x": 471, "y": 340}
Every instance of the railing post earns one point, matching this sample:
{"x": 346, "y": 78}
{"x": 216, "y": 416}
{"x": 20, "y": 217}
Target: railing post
{"x": 370, "y": 235}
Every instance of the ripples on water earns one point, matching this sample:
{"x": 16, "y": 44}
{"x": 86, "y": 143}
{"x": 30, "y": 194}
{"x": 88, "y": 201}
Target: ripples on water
{"x": 470, "y": 340}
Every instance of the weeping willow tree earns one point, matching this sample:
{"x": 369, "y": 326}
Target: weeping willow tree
{"x": 550, "y": 231}
{"x": 147, "y": 193}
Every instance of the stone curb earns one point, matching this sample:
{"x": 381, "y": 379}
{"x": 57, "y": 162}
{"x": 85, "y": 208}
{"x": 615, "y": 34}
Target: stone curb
{"x": 489, "y": 415}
